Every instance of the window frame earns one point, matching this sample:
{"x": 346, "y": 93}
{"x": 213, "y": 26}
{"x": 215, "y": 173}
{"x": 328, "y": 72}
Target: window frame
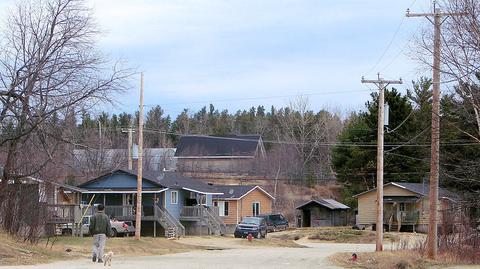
{"x": 257, "y": 209}
{"x": 172, "y": 202}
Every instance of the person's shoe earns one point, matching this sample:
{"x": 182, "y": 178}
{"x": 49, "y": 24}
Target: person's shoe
{"x": 100, "y": 261}
{"x": 94, "y": 258}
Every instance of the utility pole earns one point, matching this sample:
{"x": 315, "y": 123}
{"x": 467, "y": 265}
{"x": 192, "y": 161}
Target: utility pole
{"x": 432, "y": 245}
{"x": 381, "y": 84}
{"x": 138, "y": 214}
{"x": 130, "y": 132}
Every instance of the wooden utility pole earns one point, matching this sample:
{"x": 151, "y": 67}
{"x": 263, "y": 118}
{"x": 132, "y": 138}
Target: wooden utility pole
{"x": 381, "y": 84}
{"x": 432, "y": 245}
{"x": 138, "y": 213}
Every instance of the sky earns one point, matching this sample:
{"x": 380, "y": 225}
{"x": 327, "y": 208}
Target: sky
{"x": 241, "y": 53}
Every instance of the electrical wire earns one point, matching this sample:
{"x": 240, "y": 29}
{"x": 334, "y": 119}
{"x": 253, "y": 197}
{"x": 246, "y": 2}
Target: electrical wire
{"x": 391, "y": 41}
{"x": 255, "y": 98}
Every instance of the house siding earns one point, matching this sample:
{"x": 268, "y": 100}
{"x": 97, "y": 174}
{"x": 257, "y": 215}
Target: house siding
{"x": 175, "y": 209}
{"x": 245, "y": 204}
{"x": 233, "y": 217}
{"x": 367, "y": 207}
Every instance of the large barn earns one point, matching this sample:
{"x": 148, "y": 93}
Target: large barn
{"x": 220, "y": 157}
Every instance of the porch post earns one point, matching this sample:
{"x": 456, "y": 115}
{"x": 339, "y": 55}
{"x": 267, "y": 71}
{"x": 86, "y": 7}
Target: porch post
{"x": 154, "y": 229}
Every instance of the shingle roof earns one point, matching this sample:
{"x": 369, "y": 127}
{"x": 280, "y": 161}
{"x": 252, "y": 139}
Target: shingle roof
{"x": 328, "y": 203}
{"x": 419, "y": 188}
{"x": 211, "y": 146}
{"x": 236, "y": 191}
{"x": 424, "y": 189}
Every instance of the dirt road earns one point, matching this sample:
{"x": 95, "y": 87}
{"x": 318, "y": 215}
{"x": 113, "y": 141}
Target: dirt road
{"x": 315, "y": 256}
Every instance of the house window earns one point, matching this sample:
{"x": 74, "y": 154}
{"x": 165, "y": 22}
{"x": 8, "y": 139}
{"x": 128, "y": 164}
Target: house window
{"x": 174, "y": 197}
{"x": 402, "y": 207}
{"x": 256, "y": 208}
{"x": 225, "y": 209}
{"x": 222, "y": 208}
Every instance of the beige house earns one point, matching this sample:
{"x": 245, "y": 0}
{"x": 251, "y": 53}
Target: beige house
{"x": 406, "y": 204}
{"x": 240, "y": 201}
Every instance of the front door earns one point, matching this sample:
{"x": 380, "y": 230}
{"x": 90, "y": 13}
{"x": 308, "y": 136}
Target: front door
{"x": 129, "y": 203}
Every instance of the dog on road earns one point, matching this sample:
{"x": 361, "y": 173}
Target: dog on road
{"x": 107, "y": 258}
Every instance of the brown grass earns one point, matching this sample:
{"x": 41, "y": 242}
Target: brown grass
{"x": 13, "y": 252}
{"x": 400, "y": 259}
{"x": 332, "y": 234}
{"x": 270, "y": 242}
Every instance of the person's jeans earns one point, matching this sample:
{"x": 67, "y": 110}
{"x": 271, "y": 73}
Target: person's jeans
{"x": 99, "y": 241}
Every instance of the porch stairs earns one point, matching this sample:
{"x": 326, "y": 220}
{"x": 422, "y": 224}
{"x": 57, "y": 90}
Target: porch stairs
{"x": 214, "y": 223}
{"x": 173, "y": 228}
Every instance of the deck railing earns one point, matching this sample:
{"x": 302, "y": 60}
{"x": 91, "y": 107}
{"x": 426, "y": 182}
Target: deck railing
{"x": 407, "y": 216}
{"x": 61, "y": 213}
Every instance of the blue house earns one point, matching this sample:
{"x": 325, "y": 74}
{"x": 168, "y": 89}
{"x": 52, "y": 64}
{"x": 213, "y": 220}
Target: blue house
{"x": 171, "y": 203}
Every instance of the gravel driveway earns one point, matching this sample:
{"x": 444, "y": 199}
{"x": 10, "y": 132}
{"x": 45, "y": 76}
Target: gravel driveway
{"x": 315, "y": 256}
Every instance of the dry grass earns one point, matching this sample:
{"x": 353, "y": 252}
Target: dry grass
{"x": 332, "y": 234}
{"x": 270, "y": 242}
{"x": 13, "y": 252}
{"x": 401, "y": 259}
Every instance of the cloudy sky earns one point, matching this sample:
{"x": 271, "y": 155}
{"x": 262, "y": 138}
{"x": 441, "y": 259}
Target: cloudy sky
{"x": 239, "y": 53}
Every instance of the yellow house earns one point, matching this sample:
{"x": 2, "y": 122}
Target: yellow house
{"x": 240, "y": 201}
{"x": 407, "y": 202}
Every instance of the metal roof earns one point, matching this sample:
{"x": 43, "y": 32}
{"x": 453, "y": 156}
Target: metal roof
{"x": 165, "y": 179}
{"x": 328, "y": 203}
{"x": 194, "y": 146}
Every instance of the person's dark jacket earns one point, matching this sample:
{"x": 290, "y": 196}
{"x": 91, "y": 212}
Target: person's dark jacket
{"x": 100, "y": 224}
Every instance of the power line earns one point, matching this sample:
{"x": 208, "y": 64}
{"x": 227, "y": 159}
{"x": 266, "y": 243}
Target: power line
{"x": 256, "y": 98}
{"x": 389, "y": 44}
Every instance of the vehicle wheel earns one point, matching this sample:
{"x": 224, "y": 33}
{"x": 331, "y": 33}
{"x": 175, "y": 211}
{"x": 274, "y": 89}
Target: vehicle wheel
{"x": 237, "y": 236}
{"x": 114, "y": 232}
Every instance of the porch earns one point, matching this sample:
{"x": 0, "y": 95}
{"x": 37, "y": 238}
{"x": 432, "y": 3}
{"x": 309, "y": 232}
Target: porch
{"x": 400, "y": 211}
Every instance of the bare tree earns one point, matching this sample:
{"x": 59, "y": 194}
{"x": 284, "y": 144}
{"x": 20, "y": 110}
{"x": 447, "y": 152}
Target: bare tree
{"x": 460, "y": 53}
{"x": 310, "y": 135}
{"x": 49, "y": 67}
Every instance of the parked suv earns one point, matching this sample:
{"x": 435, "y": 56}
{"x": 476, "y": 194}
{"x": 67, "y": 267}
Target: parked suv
{"x": 251, "y": 225}
{"x": 275, "y": 222}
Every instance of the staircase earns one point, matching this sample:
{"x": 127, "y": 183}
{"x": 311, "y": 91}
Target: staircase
{"x": 173, "y": 228}
{"x": 214, "y": 222}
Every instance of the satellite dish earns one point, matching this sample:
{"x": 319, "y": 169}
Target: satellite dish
{"x": 230, "y": 191}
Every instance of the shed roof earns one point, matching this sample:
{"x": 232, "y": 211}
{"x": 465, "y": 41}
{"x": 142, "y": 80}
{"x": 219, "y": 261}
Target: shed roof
{"x": 235, "y": 192}
{"x": 418, "y": 188}
{"x": 328, "y": 203}
{"x": 213, "y": 146}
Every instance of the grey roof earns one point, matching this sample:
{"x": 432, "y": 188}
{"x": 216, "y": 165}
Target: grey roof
{"x": 233, "y": 191}
{"x": 212, "y": 146}
{"x": 419, "y": 188}
{"x": 168, "y": 179}
{"x": 171, "y": 179}
{"x": 155, "y": 159}
{"x": 328, "y": 203}
{"x": 424, "y": 190}
{"x": 236, "y": 191}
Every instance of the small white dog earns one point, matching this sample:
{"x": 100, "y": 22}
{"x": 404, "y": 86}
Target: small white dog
{"x": 107, "y": 258}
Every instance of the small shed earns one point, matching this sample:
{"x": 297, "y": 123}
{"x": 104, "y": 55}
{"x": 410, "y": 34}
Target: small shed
{"x": 322, "y": 212}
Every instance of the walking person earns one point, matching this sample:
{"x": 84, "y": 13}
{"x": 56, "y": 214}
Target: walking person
{"x": 100, "y": 228}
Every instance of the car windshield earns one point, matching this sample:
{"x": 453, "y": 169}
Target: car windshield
{"x": 275, "y": 217}
{"x": 251, "y": 221}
